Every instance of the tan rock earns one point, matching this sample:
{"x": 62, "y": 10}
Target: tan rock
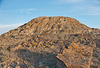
{"x": 76, "y": 56}
{"x": 9, "y": 67}
{"x": 5, "y": 66}
{"x": 16, "y": 48}
{"x": 17, "y": 67}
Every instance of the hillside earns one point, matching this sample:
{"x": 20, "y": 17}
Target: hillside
{"x": 37, "y": 43}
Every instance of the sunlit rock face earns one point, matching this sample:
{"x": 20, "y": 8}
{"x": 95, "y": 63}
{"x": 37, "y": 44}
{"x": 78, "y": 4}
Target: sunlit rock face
{"x": 76, "y": 56}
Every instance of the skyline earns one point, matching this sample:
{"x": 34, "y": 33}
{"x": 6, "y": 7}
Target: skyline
{"x": 14, "y": 13}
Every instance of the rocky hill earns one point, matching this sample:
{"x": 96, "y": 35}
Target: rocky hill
{"x": 37, "y": 43}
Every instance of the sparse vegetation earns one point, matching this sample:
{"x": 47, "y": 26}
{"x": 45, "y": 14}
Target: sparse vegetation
{"x": 4, "y": 58}
{"x": 35, "y": 44}
{"x": 43, "y": 38}
{"x": 77, "y": 35}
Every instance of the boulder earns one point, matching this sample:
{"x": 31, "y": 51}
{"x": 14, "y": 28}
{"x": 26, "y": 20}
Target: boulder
{"x": 76, "y": 56}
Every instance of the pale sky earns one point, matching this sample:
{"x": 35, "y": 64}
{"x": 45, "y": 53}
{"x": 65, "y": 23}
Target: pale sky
{"x": 14, "y": 13}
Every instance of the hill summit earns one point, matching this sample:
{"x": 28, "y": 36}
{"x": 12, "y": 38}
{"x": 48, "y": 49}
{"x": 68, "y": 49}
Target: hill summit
{"x": 41, "y": 24}
{"x": 48, "y": 27}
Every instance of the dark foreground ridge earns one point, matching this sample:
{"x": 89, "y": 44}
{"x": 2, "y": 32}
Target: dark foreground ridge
{"x": 40, "y": 44}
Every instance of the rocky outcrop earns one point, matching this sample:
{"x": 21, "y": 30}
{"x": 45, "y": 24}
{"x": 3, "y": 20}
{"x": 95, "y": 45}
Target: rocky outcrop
{"x": 76, "y": 56}
{"x": 38, "y": 42}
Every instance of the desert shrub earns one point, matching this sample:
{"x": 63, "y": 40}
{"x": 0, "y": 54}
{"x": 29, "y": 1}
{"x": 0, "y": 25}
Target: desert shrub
{"x": 30, "y": 66}
{"x": 93, "y": 28}
{"x": 8, "y": 48}
{"x": 4, "y": 59}
{"x": 2, "y": 47}
{"x": 77, "y": 34}
{"x": 35, "y": 44}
